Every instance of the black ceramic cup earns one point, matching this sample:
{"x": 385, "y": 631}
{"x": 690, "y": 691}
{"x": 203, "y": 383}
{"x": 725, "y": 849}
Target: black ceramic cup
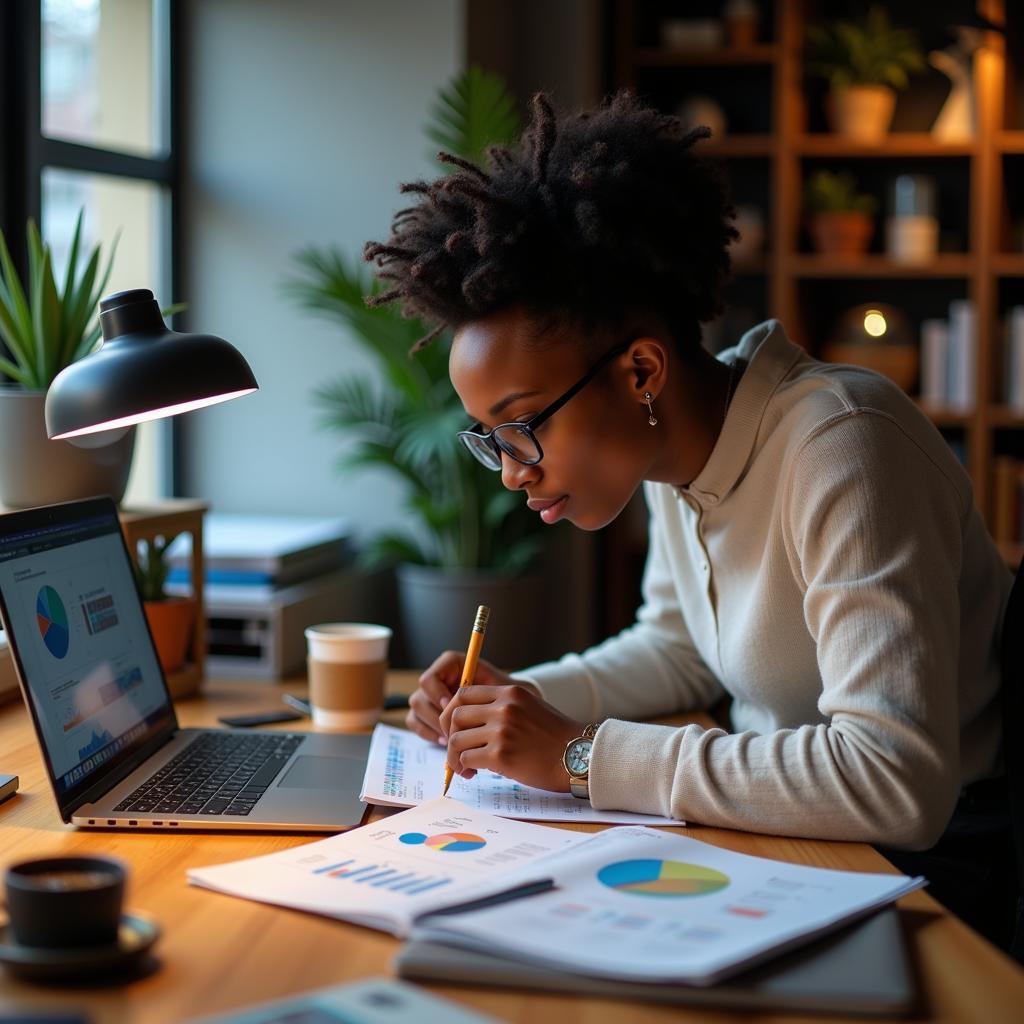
{"x": 65, "y": 902}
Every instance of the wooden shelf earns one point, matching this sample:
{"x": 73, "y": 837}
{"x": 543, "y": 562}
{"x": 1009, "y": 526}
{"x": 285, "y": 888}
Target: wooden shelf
{"x": 943, "y": 417}
{"x": 167, "y": 519}
{"x": 895, "y": 145}
{"x": 1005, "y": 417}
{"x": 975, "y": 177}
{"x": 1009, "y": 264}
{"x": 740, "y": 146}
{"x": 751, "y": 267}
{"x": 725, "y": 56}
{"x": 811, "y": 265}
{"x": 1010, "y": 141}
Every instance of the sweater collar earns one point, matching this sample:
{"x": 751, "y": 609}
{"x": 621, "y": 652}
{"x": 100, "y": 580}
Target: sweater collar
{"x": 769, "y": 356}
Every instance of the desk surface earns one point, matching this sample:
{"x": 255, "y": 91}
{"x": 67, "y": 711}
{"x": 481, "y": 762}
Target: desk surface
{"x": 218, "y": 953}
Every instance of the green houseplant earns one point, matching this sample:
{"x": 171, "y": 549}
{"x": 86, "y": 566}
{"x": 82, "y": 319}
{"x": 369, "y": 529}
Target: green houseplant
{"x": 466, "y": 531}
{"x": 45, "y": 327}
{"x": 170, "y": 618}
{"x": 839, "y": 217}
{"x": 863, "y": 62}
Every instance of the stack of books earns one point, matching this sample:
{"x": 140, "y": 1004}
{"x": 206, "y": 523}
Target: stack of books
{"x": 267, "y": 579}
{"x": 949, "y": 353}
{"x": 249, "y": 557}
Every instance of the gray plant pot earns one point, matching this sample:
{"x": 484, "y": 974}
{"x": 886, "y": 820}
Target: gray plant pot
{"x": 37, "y": 471}
{"x": 437, "y": 608}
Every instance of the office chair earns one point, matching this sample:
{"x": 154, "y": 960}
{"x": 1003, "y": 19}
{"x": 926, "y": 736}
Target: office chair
{"x": 1012, "y": 693}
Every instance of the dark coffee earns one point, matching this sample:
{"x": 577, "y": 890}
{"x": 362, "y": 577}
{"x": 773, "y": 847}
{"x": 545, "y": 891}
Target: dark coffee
{"x": 65, "y": 902}
{"x": 64, "y": 880}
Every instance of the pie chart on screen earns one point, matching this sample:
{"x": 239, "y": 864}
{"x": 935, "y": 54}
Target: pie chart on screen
{"x": 52, "y": 619}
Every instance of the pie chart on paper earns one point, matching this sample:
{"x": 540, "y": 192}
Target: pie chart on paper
{"x": 52, "y": 619}
{"x": 666, "y": 878}
{"x": 447, "y": 842}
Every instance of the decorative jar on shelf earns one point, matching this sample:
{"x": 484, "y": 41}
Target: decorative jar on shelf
{"x": 878, "y": 337}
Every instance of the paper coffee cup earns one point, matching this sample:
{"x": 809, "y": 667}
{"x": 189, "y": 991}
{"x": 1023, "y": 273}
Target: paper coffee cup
{"x": 348, "y": 664}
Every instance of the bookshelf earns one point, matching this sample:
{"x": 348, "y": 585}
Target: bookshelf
{"x": 777, "y": 134}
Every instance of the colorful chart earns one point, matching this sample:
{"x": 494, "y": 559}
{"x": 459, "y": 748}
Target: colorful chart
{"x": 52, "y": 619}
{"x": 448, "y": 842}
{"x": 661, "y": 878}
{"x": 378, "y": 876}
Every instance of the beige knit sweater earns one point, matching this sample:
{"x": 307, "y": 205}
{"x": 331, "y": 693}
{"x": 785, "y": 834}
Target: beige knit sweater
{"x": 828, "y": 569}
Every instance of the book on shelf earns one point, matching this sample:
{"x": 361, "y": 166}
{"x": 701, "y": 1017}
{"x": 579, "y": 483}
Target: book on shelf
{"x": 949, "y": 356}
{"x": 1013, "y": 334}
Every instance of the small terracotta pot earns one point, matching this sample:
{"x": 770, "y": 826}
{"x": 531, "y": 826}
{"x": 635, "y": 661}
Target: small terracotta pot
{"x": 861, "y": 112}
{"x": 846, "y": 235}
{"x": 170, "y": 622}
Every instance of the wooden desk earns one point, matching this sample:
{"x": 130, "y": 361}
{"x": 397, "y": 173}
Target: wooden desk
{"x": 220, "y": 953}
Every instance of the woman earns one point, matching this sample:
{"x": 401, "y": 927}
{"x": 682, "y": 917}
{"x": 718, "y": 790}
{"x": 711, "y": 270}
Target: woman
{"x": 815, "y": 552}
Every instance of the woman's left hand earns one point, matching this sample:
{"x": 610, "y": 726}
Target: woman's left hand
{"x": 509, "y": 730}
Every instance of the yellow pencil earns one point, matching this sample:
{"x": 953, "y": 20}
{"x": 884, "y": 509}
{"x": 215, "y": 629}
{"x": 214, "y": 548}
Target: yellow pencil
{"x": 476, "y": 641}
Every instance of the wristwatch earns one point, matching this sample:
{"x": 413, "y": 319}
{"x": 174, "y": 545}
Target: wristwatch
{"x": 576, "y": 761}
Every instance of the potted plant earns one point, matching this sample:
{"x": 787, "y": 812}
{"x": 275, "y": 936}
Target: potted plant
{"x": 864, "y": 63}
{"x": 170, "y": 618}
{"x": 469, "y": 541}
{"x": 839, "y": 218}
{"x": 44, "y": 329}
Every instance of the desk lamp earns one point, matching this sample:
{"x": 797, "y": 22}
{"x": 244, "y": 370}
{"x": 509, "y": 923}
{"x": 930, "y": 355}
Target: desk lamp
{"x": 142, "y": 371}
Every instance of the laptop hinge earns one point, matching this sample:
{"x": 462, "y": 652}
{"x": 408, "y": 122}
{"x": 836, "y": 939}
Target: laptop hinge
{"x": 103, "y": 786}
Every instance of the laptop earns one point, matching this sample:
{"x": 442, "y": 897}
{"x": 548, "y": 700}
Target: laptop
{"x": 113, "y": 749}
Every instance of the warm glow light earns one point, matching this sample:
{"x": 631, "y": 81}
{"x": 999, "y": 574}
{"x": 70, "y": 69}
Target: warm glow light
{"x": 153, "y": 414}
{"x": 874, "y": 323}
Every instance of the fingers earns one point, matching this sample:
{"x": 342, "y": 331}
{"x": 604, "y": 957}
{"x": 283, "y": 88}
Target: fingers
{"x": 467, "y": 696}
{"x": 416, "y": 725}
{"x": 462, "y": 742}
{"x": 441, "y": 680}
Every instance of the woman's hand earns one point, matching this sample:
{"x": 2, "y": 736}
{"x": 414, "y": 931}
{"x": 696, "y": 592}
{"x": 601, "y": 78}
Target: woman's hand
{"x": 437, "y": 687}
{"x": 510, "y": 730}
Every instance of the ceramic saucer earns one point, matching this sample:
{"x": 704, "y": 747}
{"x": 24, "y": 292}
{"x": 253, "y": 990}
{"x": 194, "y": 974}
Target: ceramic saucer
{"x": 135, "y": 937}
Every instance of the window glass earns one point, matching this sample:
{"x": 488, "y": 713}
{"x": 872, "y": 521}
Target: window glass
{"x": 137, "y": 211}
{"x": 104, "y": 74}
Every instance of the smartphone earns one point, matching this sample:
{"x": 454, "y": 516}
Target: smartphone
{"x": 264, "y": 718}
{"x": 8, "y": 786}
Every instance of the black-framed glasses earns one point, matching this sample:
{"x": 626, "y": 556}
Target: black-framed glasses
{"x": 518, "y": 440}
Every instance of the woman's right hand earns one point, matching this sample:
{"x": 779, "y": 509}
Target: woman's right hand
{"x": 438, "y": 684}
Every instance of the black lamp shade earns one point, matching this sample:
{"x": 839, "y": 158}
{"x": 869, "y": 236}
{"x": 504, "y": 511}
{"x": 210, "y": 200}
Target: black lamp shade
{"x": 142, "y": 371}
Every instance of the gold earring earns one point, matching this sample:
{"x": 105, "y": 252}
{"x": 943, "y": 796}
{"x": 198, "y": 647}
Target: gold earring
{"x": 652, "y": 419}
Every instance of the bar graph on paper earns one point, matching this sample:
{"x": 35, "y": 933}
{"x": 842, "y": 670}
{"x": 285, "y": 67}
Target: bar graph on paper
{"x": 378, "y": 876}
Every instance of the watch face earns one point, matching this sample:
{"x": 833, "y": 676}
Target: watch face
{"x": 577, "y": 758}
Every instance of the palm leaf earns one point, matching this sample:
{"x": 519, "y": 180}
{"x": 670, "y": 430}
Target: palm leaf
{"x": 408, "y": 421}
{"x": 475, "y": 111}
{"x": 16, "y": 302}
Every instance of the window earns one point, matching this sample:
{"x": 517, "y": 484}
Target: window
{"x": 94, "y": 98}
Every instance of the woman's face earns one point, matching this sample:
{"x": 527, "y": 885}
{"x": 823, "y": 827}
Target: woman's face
{"x": 596, "y": 451}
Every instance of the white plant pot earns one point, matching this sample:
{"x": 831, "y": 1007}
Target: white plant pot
{"x": 862, "y": 112}
{"x": 37, "y": 471}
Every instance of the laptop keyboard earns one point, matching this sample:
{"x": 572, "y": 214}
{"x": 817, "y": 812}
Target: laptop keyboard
{"x": 214, "y": 774}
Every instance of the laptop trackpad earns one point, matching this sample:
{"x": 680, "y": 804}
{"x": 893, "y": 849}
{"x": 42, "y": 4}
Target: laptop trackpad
{"x": 319, "y": 773}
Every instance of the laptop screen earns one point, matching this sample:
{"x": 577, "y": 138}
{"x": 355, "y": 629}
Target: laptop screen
{"x": 78, "y": 630}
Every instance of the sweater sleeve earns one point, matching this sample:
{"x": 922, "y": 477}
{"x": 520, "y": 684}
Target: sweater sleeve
{"x": 873, "y": 530}
{"x": 650, "y": 669}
